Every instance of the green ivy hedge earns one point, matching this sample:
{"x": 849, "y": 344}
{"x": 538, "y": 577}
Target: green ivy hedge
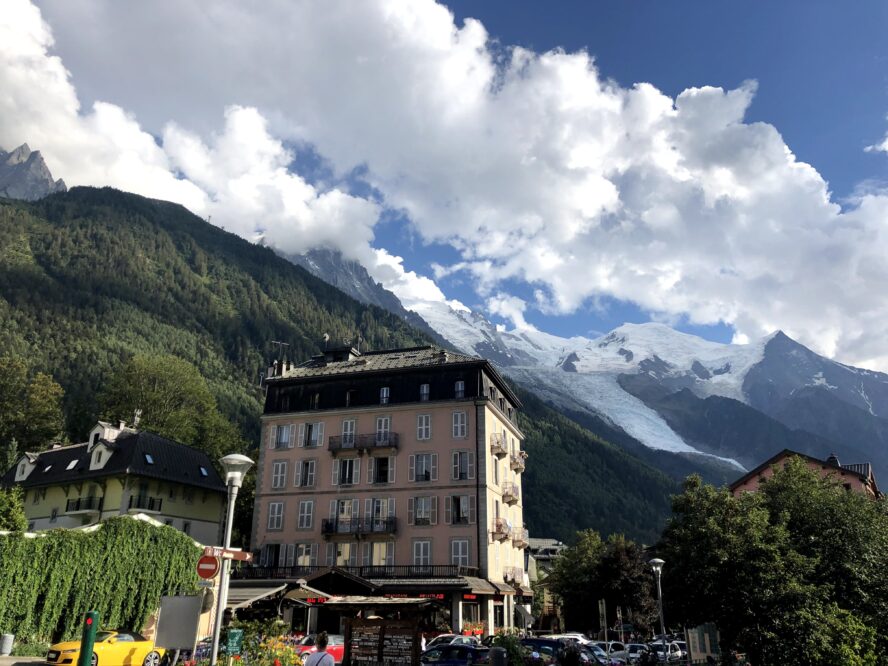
{"x": 120, "y": 569}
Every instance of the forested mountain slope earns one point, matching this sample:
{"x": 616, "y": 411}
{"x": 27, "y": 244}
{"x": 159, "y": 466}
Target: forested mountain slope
{"x": 91, "y": 276}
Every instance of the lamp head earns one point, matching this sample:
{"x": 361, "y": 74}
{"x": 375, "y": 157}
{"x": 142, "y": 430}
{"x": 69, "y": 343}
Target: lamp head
{"x": 236, "y": 467}
{"x": 657, "y": 565}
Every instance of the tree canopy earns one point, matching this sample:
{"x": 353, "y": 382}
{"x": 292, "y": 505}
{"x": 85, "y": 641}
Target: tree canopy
{"x": 793, "y": 574}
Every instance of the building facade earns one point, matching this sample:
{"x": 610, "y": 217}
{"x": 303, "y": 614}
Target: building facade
{"x": 402, "y": 467}
{"x": 120, "y": 471}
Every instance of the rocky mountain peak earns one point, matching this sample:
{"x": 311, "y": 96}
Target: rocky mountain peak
{"x": 24, "y": 175}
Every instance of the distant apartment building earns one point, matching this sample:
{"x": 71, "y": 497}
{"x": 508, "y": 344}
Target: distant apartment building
{"x": 121, "y": 471}
{"x": 858, "y": 477}
{"x": 400, "y": 468}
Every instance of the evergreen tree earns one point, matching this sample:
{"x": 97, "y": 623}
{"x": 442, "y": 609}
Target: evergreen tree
{"x": 12, "y": 510}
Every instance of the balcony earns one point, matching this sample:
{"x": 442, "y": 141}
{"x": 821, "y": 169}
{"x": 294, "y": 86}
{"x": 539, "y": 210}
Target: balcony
{"x": 501, "y": 529}
{"x": 370, "y": 442}
{"x": 358, "y": 526}
{"x": 385, "y": 571}
{"x": 498, "y": 444}
{"x": 513, "y": 575}
{"x": 141, "y": 503}
{"x": 84, "y": 505}
{"x": 517, "y": 460}
{"x": 519, "y": 538}
{"x": 511, "y": 492}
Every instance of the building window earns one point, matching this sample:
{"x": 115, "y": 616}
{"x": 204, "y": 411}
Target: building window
{"x": 423, "y": 467}
{"x": 380, "y": 470}
{"x": 463, "y": 465}
{"x": 459, "y": 425}
{"x": 22, "y": 469}
{"x": 275, "y": 515}
{"x": 384, "y": 395}
{"x": 306, "y": 512}
{"x": 459, "y": 389}
{"x": 168, "y": 522}
{"x": 306, "y": 554}
{"x": 203, "y": 471}
{"x": 316, "y": 401}
{"x": 311, "y": 435}
{"x": 282, "y": 437}
{"x": 348, "y": 433}
{"x": 279, "y": 474}
{"x": 459, "y": 552}
{"x": 510, "y": 413}
{"x": 186, "y": 527}
{"x": 305, "y": 474}
{"x": 382, "y": 553}
{"x": 422, "y": 553}
{"x": 423, "y": 392}
{"x": 350, "y": 397}
{"x": 53, "y": 515}
{"x": 188, "y": 495}
{"x": 49, "y": 467}
{"x": 98, "y": 457}
{"x": 71, "y": 465}
{"x": 492, "y": 392}
{"x": 502, "y": 402}
{"x": 383, "y": 429}
{"x": 423, "y": 426}
{"x": 342, "y": 554}
{"x": 422, "y": 510}
{"x": 460, "y": 510}
{"x": 348, "y": 471}
{"x": 495, "y": 472}
{"x": 172, "y": 493}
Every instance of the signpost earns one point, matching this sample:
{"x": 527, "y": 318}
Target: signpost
{"x": 88, "y": 638}
{"x": 602, "y": 618}
{"x": 208, "y": 567}
{"x": 228, "y": 554}
{"x": 234, "y": 642}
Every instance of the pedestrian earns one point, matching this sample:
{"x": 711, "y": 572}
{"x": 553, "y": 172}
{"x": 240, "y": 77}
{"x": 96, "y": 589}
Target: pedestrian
{"x": 321, "y": 657}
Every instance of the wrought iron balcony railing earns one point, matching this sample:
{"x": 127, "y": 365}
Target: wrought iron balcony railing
{"x": 368, "y": 442}
{"x": 143, "y": 503}
{"x": 385, "y": 571}
{"x": 84, "y": 504}
{"x": 331, "y": 526}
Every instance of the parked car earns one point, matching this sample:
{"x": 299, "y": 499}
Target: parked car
{"x": 335, "y": 646}
{"x": 543, "y": 650}
{"x": 455, "y": 655}
{"x": 673, "y": 652}
{"x": 111, "y": 648}
{"x": 630, "y": 653}
{"x": 601, "y": 656}
{"x": 574, "y": 636}
{"x": 451, "y": 639}
{"x": 610, "y": 646}
{"x": 683, "y": 646}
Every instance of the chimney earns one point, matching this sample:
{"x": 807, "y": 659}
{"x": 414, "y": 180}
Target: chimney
{"x": 122, "y": 425}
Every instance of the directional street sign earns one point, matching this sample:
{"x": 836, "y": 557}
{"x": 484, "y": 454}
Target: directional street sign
{"x": 208, "y": 567}
{"x": 228, "y": 554}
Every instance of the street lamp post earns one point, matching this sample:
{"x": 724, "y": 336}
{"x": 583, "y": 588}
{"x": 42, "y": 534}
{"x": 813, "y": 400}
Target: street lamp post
{"x": 236, "y": 467}
{"x": 657, "y": 566}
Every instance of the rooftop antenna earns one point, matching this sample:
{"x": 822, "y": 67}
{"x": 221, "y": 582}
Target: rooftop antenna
{"x": 280, "y": 346}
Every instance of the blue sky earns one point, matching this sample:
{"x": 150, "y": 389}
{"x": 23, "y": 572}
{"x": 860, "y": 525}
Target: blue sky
{"x": 572, "y": 165}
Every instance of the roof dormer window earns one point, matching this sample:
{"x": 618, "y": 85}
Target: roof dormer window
{"x": 22, "y": 469}
{"x": 149, "y": 459}
{"x": 47, "y": 468}
{"x": 72, "y": 465}
{"x": 203, "y": 471}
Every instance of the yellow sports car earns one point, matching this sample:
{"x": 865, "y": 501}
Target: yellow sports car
{"x": 112, "y": 648}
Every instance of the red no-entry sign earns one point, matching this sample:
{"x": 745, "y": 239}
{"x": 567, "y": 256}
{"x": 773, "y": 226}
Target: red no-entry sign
{"x": 208, "y": 567}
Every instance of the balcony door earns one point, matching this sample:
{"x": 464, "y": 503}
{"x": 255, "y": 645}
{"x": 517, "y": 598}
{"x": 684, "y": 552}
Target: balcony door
{"x": 344, "y": 515}
{"x": 383, "y": 429}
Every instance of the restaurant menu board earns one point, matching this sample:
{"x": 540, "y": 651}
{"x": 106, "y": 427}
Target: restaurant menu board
{"x": 381, "y": 643}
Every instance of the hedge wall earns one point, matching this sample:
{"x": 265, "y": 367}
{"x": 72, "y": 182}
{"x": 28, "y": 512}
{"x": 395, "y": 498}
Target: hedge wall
{"x": 121, "y": 570}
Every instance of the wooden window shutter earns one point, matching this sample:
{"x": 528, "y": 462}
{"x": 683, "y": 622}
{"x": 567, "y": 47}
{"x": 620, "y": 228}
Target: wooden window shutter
{"x": 336, "y": 472}
{"x": 332, "y": 509}
{"x": 291, "y": 554}
{"x": 282, "y": 555}
{"x": 391, "y": 507}
{"x": 331, "y": 554}
{"x": 314, "y": 554}
{"x": 371, "y": 468}
{"x": 448, "y": 510}
{"x": 320, "y": 430}
{"x": 368, "y": 508}
{"x": 389, "y": 553}
{"x": 391, "y": 478}
{"x": 471, "y": 465}
{"x": 298, "y": 479}
{"x": 292, "y": 436}
{"x": 434, "y": 520}
{"x": 272, "y": 436}
{"x": 357, "y": 474}
{"x": 301, "y": 437}
{"x": 455, "y": 458}
{"x": 411, "y": 503}
{"x": 356, "y": 509}
{"x": 366, "y": 555}
{"x": 411, "y": 472}
{"x": 473, "y": 509}
{"x": 434, "y": 467}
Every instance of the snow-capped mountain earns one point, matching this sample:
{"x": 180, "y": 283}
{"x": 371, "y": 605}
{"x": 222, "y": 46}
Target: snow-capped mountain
{"x": 679, "y": 393}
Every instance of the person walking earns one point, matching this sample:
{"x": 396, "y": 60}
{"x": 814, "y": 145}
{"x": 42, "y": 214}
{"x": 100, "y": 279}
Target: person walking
{"x": 321, "y": 657}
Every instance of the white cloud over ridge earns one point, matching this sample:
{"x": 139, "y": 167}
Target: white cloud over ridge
{"x": 532, "y": 165}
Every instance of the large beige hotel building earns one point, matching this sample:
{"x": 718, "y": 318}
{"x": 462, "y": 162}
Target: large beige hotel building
{"x": 401, "y": 468}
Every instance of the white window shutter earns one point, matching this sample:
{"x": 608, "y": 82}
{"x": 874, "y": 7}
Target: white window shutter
{"x": 455, "y": 462}
{"x": 331, "y": 554}
{"x": 411, "y": 473}
{"x": 366, "y": 558}
{"x": 473, "y": 509}
{"x": 448, "y": 510}
{"x": 320, "y": 430}
{"x": 282, "y": 555}
{"x": 391, "y": 507}
{"x": 411, "y": 503}
{"x": 272, "y": 436}
{"x": 391, "y": 478}
{"x": 368, "y": 508}
{"x": 471, "y": 465}
{"x": 435, "y": 510}
{"x": 291, "y": 554}
{"x": 336, "y": 471}
{"x": 353, "y": 554}
{"x": 389, "y": 553}
{"x": 298, "y": 479}
{"x": 301, "y": 437}
{"x": 357, "y": 475}
{"x": 371, "y": 469}
{"x": 356, "y": 509}
{"x": 332, "y": 509}
{"x": 292, "y": 436}
{"x": 434, "y": 467}
{"x": 314, "y": 555}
